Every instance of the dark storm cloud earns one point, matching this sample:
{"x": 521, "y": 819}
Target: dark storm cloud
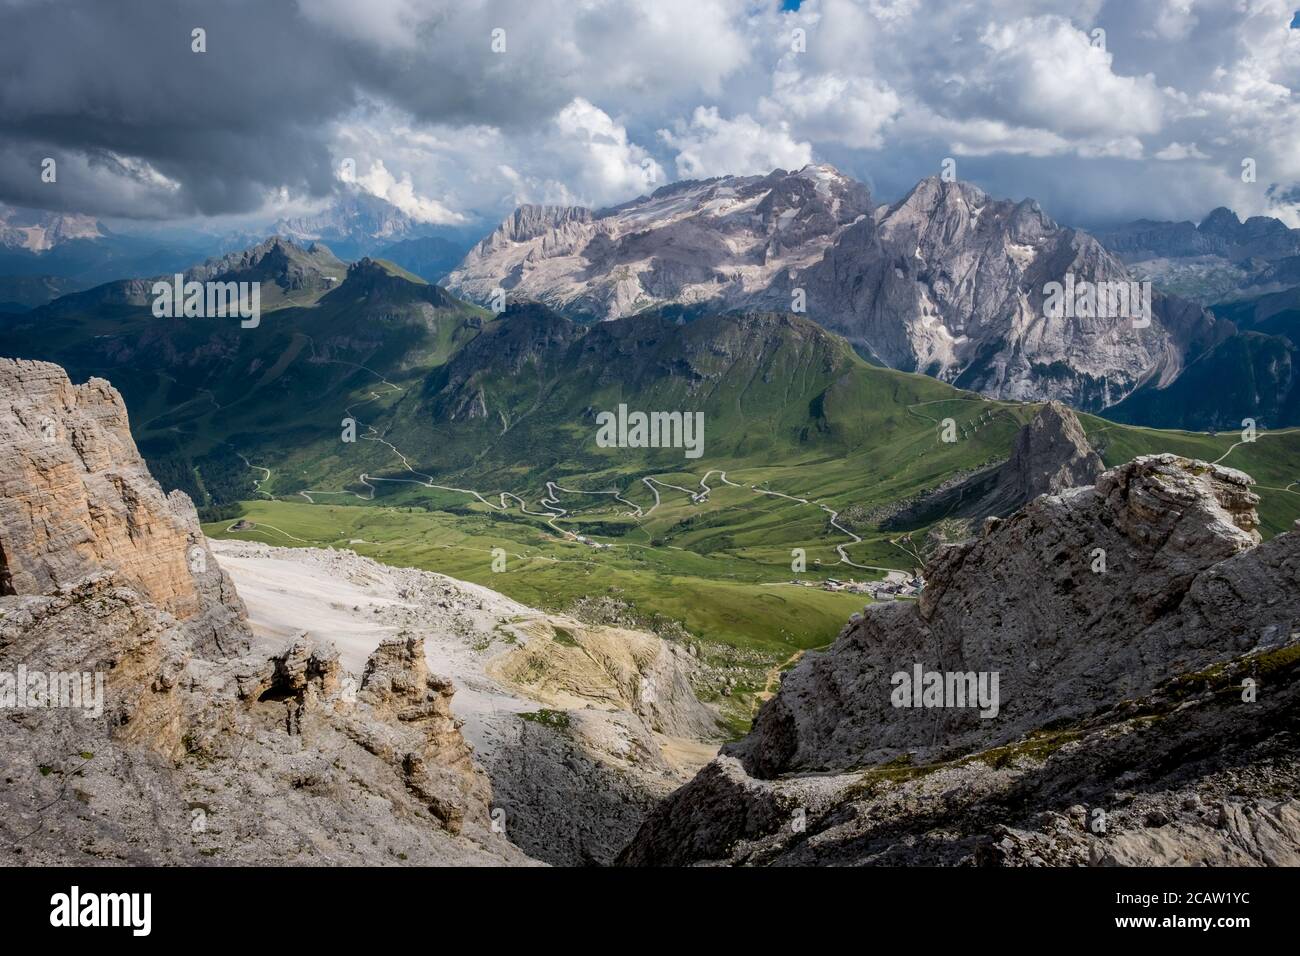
{"x": 83, "y": 83}
{"x": 1155, "y": 122}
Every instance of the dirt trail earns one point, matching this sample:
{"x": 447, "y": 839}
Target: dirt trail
{"x": 774, "y": 678}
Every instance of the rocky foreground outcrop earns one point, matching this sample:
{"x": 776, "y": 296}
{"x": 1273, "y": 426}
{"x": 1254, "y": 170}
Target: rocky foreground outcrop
{"x": 619, "y": 726}
{"x": 76, "y": 498}
{"x": 1145, "y": 651}
{"x": 136, "y": 725}
{"x": 581, "y": 727}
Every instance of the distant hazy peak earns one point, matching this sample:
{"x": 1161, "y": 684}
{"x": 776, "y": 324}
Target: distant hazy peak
{"x": 40, "y": 231}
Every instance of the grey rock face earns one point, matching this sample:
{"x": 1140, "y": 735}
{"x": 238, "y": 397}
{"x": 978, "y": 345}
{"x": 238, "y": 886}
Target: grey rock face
{"x": 38, "y": 231}
{"x": 240, "y": 760}
{"x": 575, "y": 795}
{"x": 278, "y": 259}
{"x": 718, "y": 240}
{"x": 1050, "y": 455}
{"x": 1221, "y": 234}
{"x": 1078, "y": 602}
{"x": 1022, "y": 600}
{"x": 529, "y": 221}
{"x": 1255, "y": 265}
{"x": 946, "y": 281}
{"x": 1189, "y": 775}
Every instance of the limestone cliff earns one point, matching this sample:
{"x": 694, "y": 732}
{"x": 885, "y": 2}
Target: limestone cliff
{"x": 77, "y": 498}
{"x": 947, "y": 281}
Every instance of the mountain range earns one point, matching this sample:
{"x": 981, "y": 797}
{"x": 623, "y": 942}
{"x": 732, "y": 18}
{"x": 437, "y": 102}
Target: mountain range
{"x": 946, "y": 281}
{"x": 357, "y": 223}
{"x": 1220, "y": 258}
{"x": 37, "y": 231}
{"x": 44, "y": 255}
{"x": 1139, "y": 712}
{"x": 371, "y": 414}
{"x": 1123, "y": 732}
{"x": 467, "y": 395}
{"x": 1247, "y": 274}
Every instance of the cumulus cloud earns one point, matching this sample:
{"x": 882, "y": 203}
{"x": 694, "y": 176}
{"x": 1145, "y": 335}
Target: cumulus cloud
{"x": 1179, "y": 151}
{"x": 598, "y": 101}
{"x": 580, "y": 155}
{"x": 610, "y": 166}
{"x": 1045, "y": 73}
{"x": 378, "y": 181}
{"x": 851, "y": 110}
{"x": 711, "y": 145}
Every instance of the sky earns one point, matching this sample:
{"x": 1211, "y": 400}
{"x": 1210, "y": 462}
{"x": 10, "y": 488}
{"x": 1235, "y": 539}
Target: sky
{"x": 1103, "y": 110}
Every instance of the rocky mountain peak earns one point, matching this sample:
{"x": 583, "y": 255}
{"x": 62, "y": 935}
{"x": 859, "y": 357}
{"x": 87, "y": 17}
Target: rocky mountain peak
{"x": 529, "y": 221}
{"x": 1221, "y": 221}
{"x": 354, "y": 215}
{"x": 946, "y": 281}
{"x": 40, "y": 231}
{"x": 392, "y": 290}
{"x": 1023, "y": 598}
{"x": 1261, "y": 236}
{"x": 1051, "y": 454}
{"x": 934, "y": 192}
{"x": 271, "y": 255}
{"x": 277, "y": 260}
{"x": 1221, "y": 234}
{"x": 367, "y": 269}
{"x": 76, "y": 500}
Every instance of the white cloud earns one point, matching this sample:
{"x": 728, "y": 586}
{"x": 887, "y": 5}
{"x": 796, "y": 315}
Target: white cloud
{"x": 985, "y": 137}
{"x": 554, "y": 49}
{"x": 378, "y": 181}
{"x": 596, "y": 101}
{"x": 1044, "y": 73}
{"x": 899, "y": 83}
{"x": 1179, "y": 151}
{"x": 851, "y": 110}
{"x": 580, "y": 156}
{"x": 611, "y": 168}
{"x": 711, "y": 145}
{"x": 1174, "y": 20}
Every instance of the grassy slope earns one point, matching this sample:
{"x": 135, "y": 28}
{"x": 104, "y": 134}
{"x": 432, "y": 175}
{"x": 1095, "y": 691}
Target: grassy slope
{"x": 715, "y": 596}
{"x": 722, "y": 566}
{"x": 788, "y": 408}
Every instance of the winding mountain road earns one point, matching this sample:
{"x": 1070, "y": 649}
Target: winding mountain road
{"x": 550, "y": 500}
